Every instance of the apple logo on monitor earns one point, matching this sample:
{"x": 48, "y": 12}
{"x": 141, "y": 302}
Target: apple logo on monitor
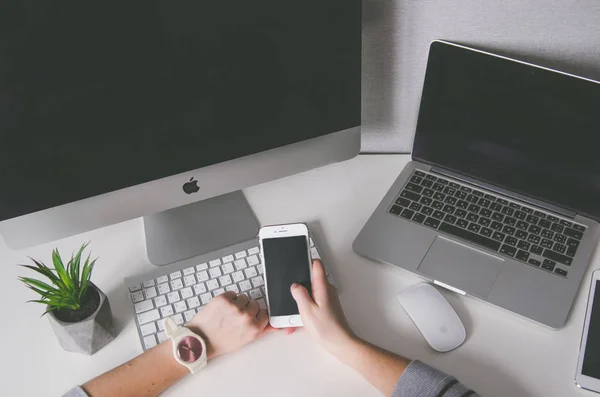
{"x": 191, "y": 186}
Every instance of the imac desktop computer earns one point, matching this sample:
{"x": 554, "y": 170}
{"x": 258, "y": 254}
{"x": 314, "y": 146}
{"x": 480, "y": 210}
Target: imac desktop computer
{"x": 111, "y": 111}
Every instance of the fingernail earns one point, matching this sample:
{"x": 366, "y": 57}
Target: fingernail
{"x": 294, "y": 285}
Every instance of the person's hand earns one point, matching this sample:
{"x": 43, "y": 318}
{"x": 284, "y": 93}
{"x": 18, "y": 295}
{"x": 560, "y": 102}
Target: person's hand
{"x": 322, "y": 314}
{"x": 228, "y": 323}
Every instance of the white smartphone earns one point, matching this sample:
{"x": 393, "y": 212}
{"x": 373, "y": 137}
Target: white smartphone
{"x": 285, "y": 252}
{"x": 588, "y": 364}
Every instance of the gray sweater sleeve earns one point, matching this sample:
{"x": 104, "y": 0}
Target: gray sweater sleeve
{"x": 420, "y": 380}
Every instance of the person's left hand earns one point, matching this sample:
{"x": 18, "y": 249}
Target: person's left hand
{"x": 229, "y": 322}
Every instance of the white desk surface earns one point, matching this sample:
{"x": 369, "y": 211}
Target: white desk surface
{"x": 504, "y": 355}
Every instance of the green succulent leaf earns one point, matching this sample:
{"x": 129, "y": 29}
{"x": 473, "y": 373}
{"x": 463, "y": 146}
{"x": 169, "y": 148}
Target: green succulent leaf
{"x": 60, "y": 269}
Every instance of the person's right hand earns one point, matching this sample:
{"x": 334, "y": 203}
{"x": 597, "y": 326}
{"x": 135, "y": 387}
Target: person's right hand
{"x": 322, "y": 314}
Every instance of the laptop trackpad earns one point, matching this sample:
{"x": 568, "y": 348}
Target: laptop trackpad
{"x": 461, "y": 266}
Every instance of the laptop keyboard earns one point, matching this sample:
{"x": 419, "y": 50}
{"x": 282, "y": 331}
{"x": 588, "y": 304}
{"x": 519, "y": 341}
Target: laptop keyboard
{"x": 526, "y": 234}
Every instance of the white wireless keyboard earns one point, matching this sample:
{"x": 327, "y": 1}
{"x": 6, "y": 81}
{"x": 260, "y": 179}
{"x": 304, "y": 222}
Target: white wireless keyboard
{"x": 181, "y": 289}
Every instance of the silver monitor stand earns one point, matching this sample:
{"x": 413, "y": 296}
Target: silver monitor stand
{"x": 198, "y": 228}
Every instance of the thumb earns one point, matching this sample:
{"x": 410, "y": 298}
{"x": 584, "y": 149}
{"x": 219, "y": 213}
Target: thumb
{"x": 301, "y": 297}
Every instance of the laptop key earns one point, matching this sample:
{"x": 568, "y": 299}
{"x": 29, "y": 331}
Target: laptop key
{"x": 462, "y": 204}
{"x": 427, "y": 210}
{"x": 431, "y": 177}
{"x": 438, "y": 205}
{"x": 520, "y": 215}
{"x": 511, "y": 241}
{"x": 548, "y": 264}
{"x": 396, "y": 210}
{"x": 573, "y": 233}
{"x": 403, "y": 202}
{"x": 560, "y": 272}
{"x": 522, "y": 225}
{"x": 510, "y": 221}
{"x": 557, "y": 228}
{"x": 486, "y": 232}
{"x": 474, "y": 208}
{"x": 460, "y": 195}
{"x": 498, "y": 236}
{"x": 472, "y": 198}
{"x": 552, "y": 218}
{"x": 484, "y": 221}
{"x": 534, "y": 229}
{"x": 532, "y": 219}
{"x": 438, "y": 187}
{"x": 508, "y": 230}
{"x": 454, "y": 185}
{"x": 420, "y": 173}
{"x": 524, "y": 245}
{"x": 546, "y": 243}
{"x": 539, "y": 214}
{"x": 485, "y": 212}
{"x": 434, "y": 223}
{"x": 572, "y": 243}
{"x": 497, "y": 216}
{"x": 427, "y": 183}
{"x": 416, "y": 179}
{"x": 408, "y": 214}
{"x": 478, "y": 193}
{"x": 560, "y": 248}
{"x": 439, "y": 196}
{"x": 460, "y": 213}
{"x": 532, "y": 238}
{"x": 565, "y": 223}
{"x": 442, "y": 181}
{"x": 438, "y": 215}
{"x": 450, "y": 200}
{"x": 490, "y": 197}
{"x": 410, "y": 195}
{"x": 472, "y": 217}
{"x": 465, "y": 189}
{"x": 449, "y": 209}
{"x": 579, "y": 227}
{"x": 495, "y": 207}
{"x": 469, "y": 236}
{"x": 496, "y": 226}
{"x": 415, "y": 206}
{"x": 413, "y": 188}
{"x": 450, "y": 219}
{"x": 462, "y": 223}
{"x": 514, "y": 205}
{"x": 571, "y": 251}
{"x": 560, "y": 238}
{"x": 484, "y": 202}
{"x": 474, "y": 227}
{"x": 521, "y": 234}
{"x": 522, "y": 255}
{"x": 502, "y": 201}
{"x": 508, "y": 211}
{"x": 426, "y": 200}
{"x": 536, "y": 249}
{"x": 555, "y": 256}
{"x": 449, "y": 190}
{"x": 527, "y": 210}
{"x": 534, "y": 262}
{"x": 508, "y": 250}
{"x": 547, "y": 233}
{"x": 428, "y": 193}
{"x": 419, "y": 218}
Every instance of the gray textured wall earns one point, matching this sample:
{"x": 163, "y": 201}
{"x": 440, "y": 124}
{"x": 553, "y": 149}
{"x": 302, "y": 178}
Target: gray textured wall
{"x": 561, "y": 34}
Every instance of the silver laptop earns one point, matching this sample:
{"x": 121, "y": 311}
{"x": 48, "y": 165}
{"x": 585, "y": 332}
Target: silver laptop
{"x": 502, "y": 198}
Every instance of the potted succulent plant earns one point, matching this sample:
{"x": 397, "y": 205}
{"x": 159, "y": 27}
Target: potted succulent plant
{"x": 78, "y": 311}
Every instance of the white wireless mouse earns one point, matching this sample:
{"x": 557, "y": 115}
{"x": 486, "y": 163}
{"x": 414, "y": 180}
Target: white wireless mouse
{"x": 434, "y": 317}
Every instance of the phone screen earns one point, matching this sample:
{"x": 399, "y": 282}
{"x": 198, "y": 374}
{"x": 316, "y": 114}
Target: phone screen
{"x": 591, "y": 358}
{"x": 286, "y": 262}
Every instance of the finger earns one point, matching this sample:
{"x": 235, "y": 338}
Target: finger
{"x": 229, "y": 295}
{"x": 262, "y": 319}
{"x": 289, "y": 331}
{"x": 268, "y": 328}
{"x": 301, "y": 297}
{"x": 241, "y": 301}
{"x": 252, "y": 308}
{"x": 319, "y": 282}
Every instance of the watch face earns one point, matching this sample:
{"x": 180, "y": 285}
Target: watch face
{"x": 189, "y": 349}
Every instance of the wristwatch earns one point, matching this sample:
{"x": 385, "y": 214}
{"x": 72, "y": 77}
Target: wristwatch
{"x": 189, "y": 349}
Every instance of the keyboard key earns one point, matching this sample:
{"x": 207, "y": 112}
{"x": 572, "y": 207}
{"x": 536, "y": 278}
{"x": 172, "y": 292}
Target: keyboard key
{"x": 508, "y": 250}
{"x": 539, "y": 214}
{"x": 215, "y": 272}
{"x": 150, "y": 292}
{"x": 230, "y": 258}
{"x": 510, "y": 221}
{"x": 536, "y": 249}
{"x": 186, "y": 293}
{"x": 166, "y": 311}
{"x": 439, "y": 196}
{"x": 428, "y": 193}
{"x": 188, "y": 271}
{"x": 149, "y": 341}
{"x": 431, "y": 222}
{"x": 560, "y": 238}
{"x": 579, "y": 227}
{"x": 527, "y": 210}
{"x": 215, "y": 262}
{"x": 173, "y": 296}
{"x": 449, "y": 209}
{"x": 490, "y": 197}
{"x": 508, "y": 230}
{"x": 498, "y": 236}
{"x": 555, "y": 256}
{"x": 233, "y": 287}
{"x": 255, "y": 294}
{"x": 521, "y": 234}
{"x": 560, "y": 248}
{"x": 176, "y": 284}
{"x": 143, "y": 306}
{"x": 205, "y": 298}
{"x": 572, "y": 243}
{"x": 565, "y": 223}
{"x": 462, "y": 204}
{"x": 202, "y": 276}
{"x": 547, "y": 233}
{"x": 148, "y": 329}
{"x": 212, "y": 284}
{"x": 520, "y": 215}
{"x": 502, "y": 201}
{"x": 426, "y": 201}
{"x": 471, "y": 217}
{"x": 402, "y": 202}
{"x": 484, "y": 203}
{"x": 511, "y": 241}
{"x": 442, "y": 181}
{"x": 218, "y": 292}
{"x": 178, "y": 318}
{"x": 469, "y": 236}
{"x": 193, "y": 302}
{"x": 514, "y": 205}
{"x": 419, "y": 218}
{"x": 486, "y": 232}
{"x": 438, "y": 205}
{"x": 416, "y": 179}
{"x": 240, "y": 264}
{"x": 408, "y": 214}
{"x": 237, "y": 276}
{"x": 175, "y": 275}
{"x": 532, "y": 219}
{"x": 240, "y": 255}
{"x": 466, "y": 189}
{"x": 522, "y": 225}
{"x": 534, "y": 262}
{"x": 495, "y": 207}
{"x": 508, "y": 211}
{"x": 474, "y": 227}
{"x": 162, "y": 279}
{"x": 438, "y": 215}
{"x": 225, "y": 280}
{"x": 522, "y": 255}
{"x": 478, "y": 193}
{"x": 199, "y": 288}
{"x": 202, "y": 266}
{"x": 228, "y": 268}
{"x": 496, "y": 226}
{"x": 245, "y": 285}
{"x": 485, "y": 212}
{"x": 135, "y": 288}
{"x": 411, "y": 187}
{"x": 426, "y": 183}
{"x": 438, "y": 187}
{"x": 189, "y": 315}
{"x": 450, "y": 219}
{"x": 532, "y": 238}
{"x": 163, "y": 288}
{"x": 148, "y": 283}
{"x": 560, "y": 272}
{"x": 160, "y": 300}
{"x": 250, "y": 272}
{"x": 257, "y": 281}
{"x": 484, "y": 221}
{"x": 162, "y": 336}
{"x": 552, "y": 218}
{"x": 534, "y": 229}
{"x": 189, "y": 280}
{"x": 449, "y": 190}
{"x": 137, "y": 296}
{"x": 573, "y": 233}
{"x": 180, "y": 306}
{"x": 462, "y": 223}
{"x": 474, "y": 208}
{"x": 451, "y": 200}
{"x": 557, "y": 228}
{"x": 460, "y": 213}
{"x": 544, "y": 223}
{"x": 472, "y": 199}
{"x": 524, "y": 245}
{"x": 420, "y": 173}
{"x": 148, "y": 316}
{"x": 252, "y": 260}
{"x": 497, "y": 216}
{"x": 548, "y": 264}
{"x": 460, "y": 195}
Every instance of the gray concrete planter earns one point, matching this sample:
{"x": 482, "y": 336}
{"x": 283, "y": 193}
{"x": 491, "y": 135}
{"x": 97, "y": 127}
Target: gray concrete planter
{"x": 89, "y": 335}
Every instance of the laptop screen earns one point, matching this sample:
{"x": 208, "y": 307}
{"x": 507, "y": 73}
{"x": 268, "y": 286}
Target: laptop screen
{"x": 514, "y": 125}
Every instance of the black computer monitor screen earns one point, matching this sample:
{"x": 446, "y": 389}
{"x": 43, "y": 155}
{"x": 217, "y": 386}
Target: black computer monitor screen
{"x": 521, "y": 127}
{"x": 100, "y": 96}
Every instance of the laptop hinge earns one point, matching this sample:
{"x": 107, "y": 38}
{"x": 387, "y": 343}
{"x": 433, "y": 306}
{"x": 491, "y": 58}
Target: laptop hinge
{"x": 496, "y": 189}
